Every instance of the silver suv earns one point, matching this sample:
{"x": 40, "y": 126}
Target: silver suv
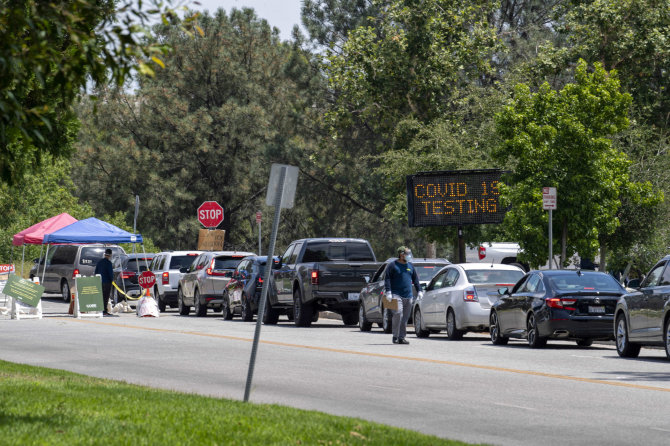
{"x": 64, "y": 262}
{"x": 166, "y": 266}
{"x": 203, "y": 282}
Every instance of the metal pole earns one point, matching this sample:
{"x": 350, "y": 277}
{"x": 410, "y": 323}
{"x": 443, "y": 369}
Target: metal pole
{"x": 259, "y": 238}
{"x": 551, "y": 242}
{"x": 266, "y": 281}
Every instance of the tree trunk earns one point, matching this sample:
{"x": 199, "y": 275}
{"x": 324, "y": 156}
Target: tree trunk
{"x": 431, "y": 249}
{"x": 564, "y": 241}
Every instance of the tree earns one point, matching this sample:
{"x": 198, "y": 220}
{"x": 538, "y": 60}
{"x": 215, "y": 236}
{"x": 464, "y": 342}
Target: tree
{"x": 207, "y": 127}
{"x": 564, "y": 139}
{"x": 48, "y": 53}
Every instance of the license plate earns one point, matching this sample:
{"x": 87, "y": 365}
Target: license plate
{"x": 353, "y": 296}
{"x": 596, "y": 309}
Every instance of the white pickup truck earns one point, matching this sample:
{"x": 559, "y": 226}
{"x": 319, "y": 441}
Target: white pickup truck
{"x": 495, "y": 252}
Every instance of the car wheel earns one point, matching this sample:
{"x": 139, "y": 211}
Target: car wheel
{"x": 162, "y": 306}
{"x": 199, "y": 308}
{"x": 349, "y": 317}
{"x": 65, "y": 291}
{"x": 494, "y": 330}
{"x": 387, "y": 321}
{"x": 623, "y": 346}
{"x": 183, "y": 309}
{"x": 363, "y": 323}
{"x": 453, "y": 333}
{"x": 247, "y": 314}
{"x": 225, "y": 307}
{"x": 418, "y": 325}
{"x": 585, "y": 342}
{"x": 302, "y": 312}
{"x": 534, "y": 338}
{"x": 667, "y": 338}
{"x": 270, "y": 314}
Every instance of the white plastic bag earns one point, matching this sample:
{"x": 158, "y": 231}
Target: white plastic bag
{"x": 147, "y": 307}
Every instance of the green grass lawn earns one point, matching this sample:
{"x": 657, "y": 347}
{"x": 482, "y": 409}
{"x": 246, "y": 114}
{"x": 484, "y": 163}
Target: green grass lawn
{"x": 40, "y": 406}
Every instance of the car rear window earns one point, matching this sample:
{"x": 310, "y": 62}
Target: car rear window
{"x": 493, "y": 276}
{"x": 426, "y": 271}
{"x": 133, "y": 264}
{"x": 182, "y": 261}
{"x": 584, "y": 281}
{"x": 90, "y": 255}
{"x": 226, "y": 262}
{"x": 327, "y": 251}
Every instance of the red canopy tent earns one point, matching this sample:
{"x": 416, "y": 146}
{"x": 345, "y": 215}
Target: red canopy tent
{"x": 34, "y": 235}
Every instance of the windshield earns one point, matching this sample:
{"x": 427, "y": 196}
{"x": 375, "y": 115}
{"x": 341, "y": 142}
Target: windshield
{"x": 493, "y": 276}
{"x": 226, "y": 262}
{"x": 183, "y": 261}
{"x": 584, "y": 281}
{"x": 328, "y": 251}
{"x": 426, "y": 272}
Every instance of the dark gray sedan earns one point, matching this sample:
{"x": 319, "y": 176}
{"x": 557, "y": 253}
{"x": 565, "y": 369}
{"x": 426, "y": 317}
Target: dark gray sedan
{"x": 643, "y": 316}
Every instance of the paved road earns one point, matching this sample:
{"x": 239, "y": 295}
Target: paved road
{"x": 468, "y": 390}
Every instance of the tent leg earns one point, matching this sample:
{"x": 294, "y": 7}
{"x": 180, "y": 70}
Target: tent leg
{"x": 44, "y": 265}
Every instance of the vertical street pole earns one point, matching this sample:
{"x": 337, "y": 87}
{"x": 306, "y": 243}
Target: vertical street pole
{"x": 551, "y": 244}
{"x": 259, "y": 237}
{"x": 266, "y": 281}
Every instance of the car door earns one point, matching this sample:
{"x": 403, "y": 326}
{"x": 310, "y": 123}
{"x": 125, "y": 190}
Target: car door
{"x": 189, "y": 278}
{"x": 286, "y": 272}
{"x": 639, "y": 303}
{"x": 656, "y": 303}
{"x": 505, "y": 306}
{"x": 525, "y": 300}
{"x": 372, "y": 293}
{"x": 236, "y": 283}
{"x": 430, "y": 298}
{"x": 447, "y": 296}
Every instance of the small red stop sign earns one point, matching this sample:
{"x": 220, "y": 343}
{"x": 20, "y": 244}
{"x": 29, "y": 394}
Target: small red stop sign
{"x": 210, "y": 214}
{"x": 147, "y": 279}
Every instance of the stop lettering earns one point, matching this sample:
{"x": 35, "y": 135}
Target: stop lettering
{"x": 147, "y": 279}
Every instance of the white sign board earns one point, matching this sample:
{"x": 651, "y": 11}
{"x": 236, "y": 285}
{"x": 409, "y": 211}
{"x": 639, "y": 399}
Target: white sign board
{"x": 287, "y": 193}
{"x": 549, "y": 198}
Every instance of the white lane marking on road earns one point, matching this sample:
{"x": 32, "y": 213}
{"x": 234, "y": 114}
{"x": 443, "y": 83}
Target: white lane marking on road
{"x": 659, "y": 429}
{"x": 587, "y": 357}
{"x": 514, "y": 406}
{"x": 386, "y": 387}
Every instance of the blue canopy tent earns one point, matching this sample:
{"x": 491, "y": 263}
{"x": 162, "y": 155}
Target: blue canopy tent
{"x": 90, "y": 230}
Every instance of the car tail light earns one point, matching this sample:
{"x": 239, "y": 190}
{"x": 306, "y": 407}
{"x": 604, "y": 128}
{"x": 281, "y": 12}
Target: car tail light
{"x": 166, "y": 278}
{"x": 315, "y": 277}
{"x": 127, "y": 274}
{"x": 259, "y": 282}
{"x": 562, "y": 303}
{"x": 482, "y": 252}
{"x": 470, "y": 295}
{"x": 75, "y": 273}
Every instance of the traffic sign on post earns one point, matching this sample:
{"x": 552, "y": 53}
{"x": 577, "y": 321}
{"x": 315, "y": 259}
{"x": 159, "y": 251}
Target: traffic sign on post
{"x": 549, "y": 198}
{"x": 258, "y": 217}
{"x": 147, "y": 279}
{"x": 210, "y": 214}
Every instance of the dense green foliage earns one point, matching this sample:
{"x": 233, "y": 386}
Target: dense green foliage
{"x": 45, "y": 406}
{"x": 378, "y": 90}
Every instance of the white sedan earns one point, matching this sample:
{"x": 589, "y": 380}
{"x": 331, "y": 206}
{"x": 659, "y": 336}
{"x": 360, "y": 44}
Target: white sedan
{"x": 459, "y": 298}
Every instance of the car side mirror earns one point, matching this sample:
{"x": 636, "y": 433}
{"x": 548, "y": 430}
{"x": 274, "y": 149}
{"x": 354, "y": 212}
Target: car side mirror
{"x": 424, "y": 286}
{"x": 634, "y": 283}
{"x": 503, "y": 291}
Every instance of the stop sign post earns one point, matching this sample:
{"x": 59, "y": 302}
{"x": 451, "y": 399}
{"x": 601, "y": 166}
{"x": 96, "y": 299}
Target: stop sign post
{"x": 210, "y": 214}
{"x": 147, "y": 279}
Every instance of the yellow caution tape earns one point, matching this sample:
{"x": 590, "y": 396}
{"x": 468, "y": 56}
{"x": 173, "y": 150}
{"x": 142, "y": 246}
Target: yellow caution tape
{"x": 144, "y": 293}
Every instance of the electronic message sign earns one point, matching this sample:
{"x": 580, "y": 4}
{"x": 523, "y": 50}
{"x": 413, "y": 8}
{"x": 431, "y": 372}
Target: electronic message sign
{"x": 459, "y": 197}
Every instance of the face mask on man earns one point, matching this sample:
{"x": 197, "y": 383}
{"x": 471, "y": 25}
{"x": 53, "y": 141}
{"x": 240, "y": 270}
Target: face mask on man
{"x": 408, "y": 256}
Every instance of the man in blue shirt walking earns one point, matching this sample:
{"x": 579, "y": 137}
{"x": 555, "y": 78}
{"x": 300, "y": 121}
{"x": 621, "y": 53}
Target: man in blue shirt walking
{"x": 400, "y": 276}
{"x": 106, "y": 271}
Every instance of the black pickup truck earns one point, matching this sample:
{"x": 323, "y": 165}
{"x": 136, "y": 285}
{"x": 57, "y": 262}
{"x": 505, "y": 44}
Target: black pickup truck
{"x": 318, "y": 274}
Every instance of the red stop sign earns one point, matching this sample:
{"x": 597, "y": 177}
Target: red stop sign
{"x": 210, "y": 214}
{"x": 147, "y": 279}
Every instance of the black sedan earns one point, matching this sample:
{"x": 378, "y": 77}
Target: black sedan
{"x": 556, "y": 304}
{"x": 243, "y": 293}
{"x": 370, "y": 298}
{"x": 127, "y": 270}
{"x": 643, "y": 316}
